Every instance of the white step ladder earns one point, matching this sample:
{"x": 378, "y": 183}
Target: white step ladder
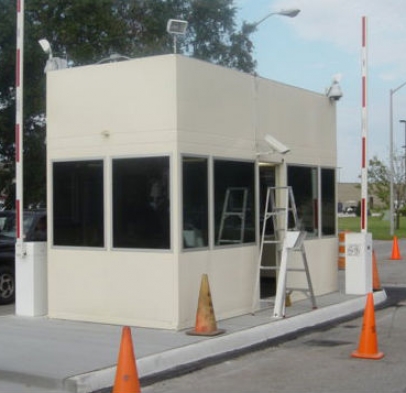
{"x": 235, "y": 205}
{"x": 280, "y": 206}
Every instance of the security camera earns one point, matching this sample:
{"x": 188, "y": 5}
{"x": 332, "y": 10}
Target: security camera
{"x": 334, "y": 91}
{"x": 276, "y": 145}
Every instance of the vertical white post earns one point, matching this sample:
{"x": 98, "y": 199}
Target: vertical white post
{"x": 19, "y": 127}
{"x": 364, "y": 163}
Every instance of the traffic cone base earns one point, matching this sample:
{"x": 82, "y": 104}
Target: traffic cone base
{"x": 194, "y": 332}
{"x": 205, "y": 320}
{"x": 368, "y": 344}
{"x": 126, "y": 380}
{"x": 375, "y": 356}
{"x": 395, "y": 250}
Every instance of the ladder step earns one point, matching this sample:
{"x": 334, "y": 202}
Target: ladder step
{"x": 272, "y": 241}
{"x": 297, "y": 289}
{"x": 291, "y": 269}
{"x": 269, "y": 267}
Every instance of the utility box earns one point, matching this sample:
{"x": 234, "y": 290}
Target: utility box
{"x": 31, "y": 280}
{"x": 358, "y": 257}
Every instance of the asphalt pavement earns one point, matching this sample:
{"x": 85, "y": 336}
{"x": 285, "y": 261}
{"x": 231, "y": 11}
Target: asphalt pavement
{"x": 39, "y": 354}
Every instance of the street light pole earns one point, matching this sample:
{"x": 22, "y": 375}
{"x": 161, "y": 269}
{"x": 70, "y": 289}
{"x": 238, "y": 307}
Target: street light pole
{"x": 391, "y": 202}
{"x": 404, "y": 122}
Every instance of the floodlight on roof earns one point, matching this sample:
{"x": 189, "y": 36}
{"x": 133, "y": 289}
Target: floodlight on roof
{"x": 176, "y": 27}
{"x": 46, "y": 46}
{"x": 53, "y": 63}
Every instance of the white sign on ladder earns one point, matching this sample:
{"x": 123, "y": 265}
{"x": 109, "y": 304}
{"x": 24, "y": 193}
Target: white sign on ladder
{"x": 293, "y": 242}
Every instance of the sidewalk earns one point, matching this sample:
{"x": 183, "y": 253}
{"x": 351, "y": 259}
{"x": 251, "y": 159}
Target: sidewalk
{"x": 62, "y": 355}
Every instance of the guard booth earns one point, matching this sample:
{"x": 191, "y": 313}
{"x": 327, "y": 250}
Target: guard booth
{"x": 157, "y": 169}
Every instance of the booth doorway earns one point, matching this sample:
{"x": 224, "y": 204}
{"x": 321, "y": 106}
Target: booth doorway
{"x": 267, "y": 173}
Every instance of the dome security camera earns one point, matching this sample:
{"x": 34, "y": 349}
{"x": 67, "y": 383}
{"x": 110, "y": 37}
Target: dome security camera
{"x": 334, "y": 92}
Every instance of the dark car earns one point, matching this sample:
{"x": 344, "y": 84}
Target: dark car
{"x": 34, "y": 230}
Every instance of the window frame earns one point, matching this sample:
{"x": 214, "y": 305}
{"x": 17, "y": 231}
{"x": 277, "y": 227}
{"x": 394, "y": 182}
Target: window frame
{"x": 181, "y": 199}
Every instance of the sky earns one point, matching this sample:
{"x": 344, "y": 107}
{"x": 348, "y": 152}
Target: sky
{"x": 324, "y": 40}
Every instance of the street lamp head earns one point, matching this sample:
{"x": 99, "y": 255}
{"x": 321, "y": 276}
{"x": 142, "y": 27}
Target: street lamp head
{"x": 291, "y": 13}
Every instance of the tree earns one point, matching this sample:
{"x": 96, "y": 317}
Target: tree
{"x": 86, "y": 31}
{"x": 379, "y": 176}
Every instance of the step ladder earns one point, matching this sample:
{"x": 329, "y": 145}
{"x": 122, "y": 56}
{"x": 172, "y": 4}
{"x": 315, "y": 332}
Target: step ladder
{"x": 234, "y": 206}
{"x": 293, "y": 242}
{"x": 280, "y": 207}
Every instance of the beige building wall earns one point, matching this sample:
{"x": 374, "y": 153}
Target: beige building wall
{"x": 173, "y": 105}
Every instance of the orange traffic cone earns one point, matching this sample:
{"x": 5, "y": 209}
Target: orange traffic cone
{"x": 126, "y": 380}
{"x": 395, "y": 249}
{"x": 376, "y": 283}
{"x": 368, "y": 344}
{"x": 205, "y": 320}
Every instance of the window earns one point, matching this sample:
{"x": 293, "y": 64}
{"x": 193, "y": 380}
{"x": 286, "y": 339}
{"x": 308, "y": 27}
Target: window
{"x": 234, "y": 202}
{"x": 195, "y": 202}
{"x": 141, "y": 203}
{"x": 328, "y": 215}
{"x": 78, "y": 216}
{"x": 303, "y": 181}
{"x": 305, "y": 186}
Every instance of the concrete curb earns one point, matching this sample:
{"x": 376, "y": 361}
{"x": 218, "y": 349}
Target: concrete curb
{"x": 216, "y": 346}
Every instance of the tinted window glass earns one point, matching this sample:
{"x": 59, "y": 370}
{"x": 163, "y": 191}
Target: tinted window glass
{"x": 328, "y": 218}
{"x": 141, "y": 203}
{"x": 78, "y": 215}
{"x": 303, "y": 181}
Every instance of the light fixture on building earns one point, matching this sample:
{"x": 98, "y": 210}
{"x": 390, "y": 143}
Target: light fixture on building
{"x": 46, "y": 47}
{"x": 176, "y": 28}
{"x": 53, "y": 63}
